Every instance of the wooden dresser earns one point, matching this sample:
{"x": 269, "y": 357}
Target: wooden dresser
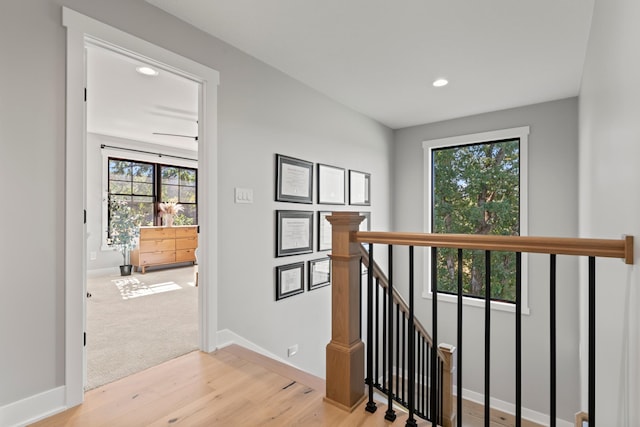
{"x": 165, "y": 245}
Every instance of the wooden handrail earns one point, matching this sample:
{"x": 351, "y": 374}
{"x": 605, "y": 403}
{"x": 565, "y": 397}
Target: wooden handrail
{"x": 609, "y": 248}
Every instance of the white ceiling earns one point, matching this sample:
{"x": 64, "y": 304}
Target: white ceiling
{"x": 380, "y": 57}
{"x": 125, "y": 104}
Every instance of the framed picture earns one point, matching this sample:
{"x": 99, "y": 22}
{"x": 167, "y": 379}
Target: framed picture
{"x": 319, "y": 273}
{"x": 365, "y": 225}
{"x": 294, "y": 232}
{"x": 289, "y": 280}
{"x": 359, "y": 188}
{"x": 324, "y": 231}
{"x": 330, "y": 185}
{"x": 294, "y": 180}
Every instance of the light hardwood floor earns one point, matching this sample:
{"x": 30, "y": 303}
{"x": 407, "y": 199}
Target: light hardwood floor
{"x": 229, "y": 387}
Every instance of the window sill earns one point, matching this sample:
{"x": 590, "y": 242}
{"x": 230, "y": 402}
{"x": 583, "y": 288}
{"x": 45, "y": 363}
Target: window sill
{"x": 473, "y": 302}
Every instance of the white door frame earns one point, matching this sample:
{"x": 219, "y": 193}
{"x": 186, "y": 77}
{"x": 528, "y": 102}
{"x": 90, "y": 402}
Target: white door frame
{"x": 79, "y": 29}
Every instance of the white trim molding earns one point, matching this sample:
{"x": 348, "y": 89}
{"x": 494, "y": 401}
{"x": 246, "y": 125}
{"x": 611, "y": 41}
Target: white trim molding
{"x": 33, "y": 408}
{"x": 510, "y": 408}
{"x": 522, "y": 133}
{"x": 227, "y": 337}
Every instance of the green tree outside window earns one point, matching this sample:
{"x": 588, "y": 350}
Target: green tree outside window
{"x": 476, "y": 190}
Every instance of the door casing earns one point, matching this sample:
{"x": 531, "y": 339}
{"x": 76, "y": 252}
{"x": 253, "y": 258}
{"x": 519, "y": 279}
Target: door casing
{"x": 80, "y": 29}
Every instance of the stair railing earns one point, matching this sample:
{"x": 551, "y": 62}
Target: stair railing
{"x": 345, "y": 352}
{"x": 398, "y": 349}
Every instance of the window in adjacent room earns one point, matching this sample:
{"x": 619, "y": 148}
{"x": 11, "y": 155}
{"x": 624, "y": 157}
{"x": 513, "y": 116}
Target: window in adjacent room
{"x": 144, "y": 185}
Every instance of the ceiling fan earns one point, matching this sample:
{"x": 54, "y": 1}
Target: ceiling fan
{"x": 195, "y": 138}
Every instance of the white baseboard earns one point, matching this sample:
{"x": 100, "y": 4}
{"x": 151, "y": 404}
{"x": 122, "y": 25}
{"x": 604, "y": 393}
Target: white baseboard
{"x": 227, "y": 337}
{"x": 509, "y": 408}
{"x": 33, "y": 408}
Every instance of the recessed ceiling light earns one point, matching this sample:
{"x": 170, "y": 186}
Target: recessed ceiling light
{"x": 147, "y": 71}
{"x": 440, "y": 82}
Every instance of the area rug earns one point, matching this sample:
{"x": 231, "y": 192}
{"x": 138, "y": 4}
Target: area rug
{"x": 139, "y": 321}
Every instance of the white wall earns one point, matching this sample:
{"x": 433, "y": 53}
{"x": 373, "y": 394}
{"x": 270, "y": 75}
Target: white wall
{"x": 261, "y": 112}
{"x": 553, "y": 211}
{"x": 609, "y": 202}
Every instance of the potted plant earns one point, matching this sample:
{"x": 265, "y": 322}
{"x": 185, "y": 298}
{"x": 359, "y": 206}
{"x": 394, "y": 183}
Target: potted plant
{"x": 123, "y": 231}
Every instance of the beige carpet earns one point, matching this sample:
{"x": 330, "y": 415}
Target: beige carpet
{"x": 138, "y": 321}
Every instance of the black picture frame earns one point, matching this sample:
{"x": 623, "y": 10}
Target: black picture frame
{"x": 331, "y": 185}
{"x": 324, "y": 231}
{"x": 359, "y": 188}
{"x": 294, "y": 180}
{"x": 319, "y": 271}
{"x": 289, "y": 280}
{"x": 294, "y": 232}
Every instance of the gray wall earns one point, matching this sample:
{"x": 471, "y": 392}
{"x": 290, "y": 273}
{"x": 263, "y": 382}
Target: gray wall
{"x": 553, "y": 209}
{"x": 610, "y": 203}
{"x": 261, "y": 112}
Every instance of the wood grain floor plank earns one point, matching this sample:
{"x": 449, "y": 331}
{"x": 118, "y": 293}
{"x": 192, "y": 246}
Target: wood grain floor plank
{"x": 229, "y": 387}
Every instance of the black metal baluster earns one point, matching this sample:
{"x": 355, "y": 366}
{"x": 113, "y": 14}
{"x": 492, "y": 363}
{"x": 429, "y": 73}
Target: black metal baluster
{"x": 376, "y": 356}
{"x": 371, "y": 405}
{"x": 518, "y": 339}
{"x": 403, "y": 368}
{"x": 487, "y": 337}
{"x": 385, "y": 319}
{"x": 552, "y": 337}
{"x": 427, "y": 382}
{"x": 411, "y": 421}
{"x": 440, "y": 397}
{"x": 592, "y": 342}
{"x": 425, "y": 378}
{"x": 434, "y": 312}
{"x": 459, "y": 356}
{"x": 390, "y": 414}
{"x": 398, "y": 361}
{"x": 419, "y": 375}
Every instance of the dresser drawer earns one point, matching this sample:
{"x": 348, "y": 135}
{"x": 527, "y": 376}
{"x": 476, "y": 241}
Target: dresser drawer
{"x": 157, "y": 245}
{"x": 184, "y": 255}
{"x": 157, "y": 233}
{"x": 182, "y": 232}
{"x": 188, "y": 243}
{"x": 152, "y": 258}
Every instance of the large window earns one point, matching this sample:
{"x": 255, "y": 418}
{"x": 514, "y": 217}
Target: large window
{"x": 145, "y": 185}
{"x": 475, "y": 186}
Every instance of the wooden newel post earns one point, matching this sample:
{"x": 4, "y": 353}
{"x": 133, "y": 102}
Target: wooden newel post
{"x": 448, "y": 375}
{"x": 345, "y": 352}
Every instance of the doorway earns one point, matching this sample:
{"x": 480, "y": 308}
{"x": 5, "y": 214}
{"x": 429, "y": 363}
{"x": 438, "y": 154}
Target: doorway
{"x": 142, "y": 154}
{"x": 80, "y": 30}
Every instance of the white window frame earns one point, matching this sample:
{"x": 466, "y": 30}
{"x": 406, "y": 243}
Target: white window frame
{"x": 428, "y": 146}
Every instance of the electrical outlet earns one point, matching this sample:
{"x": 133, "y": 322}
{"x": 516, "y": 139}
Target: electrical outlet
{"x": 291, "y": 351}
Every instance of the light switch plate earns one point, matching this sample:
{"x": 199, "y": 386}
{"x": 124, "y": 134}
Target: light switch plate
{"x": 244, "y": 195}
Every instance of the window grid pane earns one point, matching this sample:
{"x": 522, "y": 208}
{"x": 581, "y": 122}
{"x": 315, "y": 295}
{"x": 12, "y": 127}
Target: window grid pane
{"x": 476, "y": 191}
{"x": 135, "y": 183}
{"x": 180, "y": 185}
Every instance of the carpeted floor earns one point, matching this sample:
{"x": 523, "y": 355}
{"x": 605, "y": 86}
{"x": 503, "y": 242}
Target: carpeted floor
{"x": 138, "y": 321}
